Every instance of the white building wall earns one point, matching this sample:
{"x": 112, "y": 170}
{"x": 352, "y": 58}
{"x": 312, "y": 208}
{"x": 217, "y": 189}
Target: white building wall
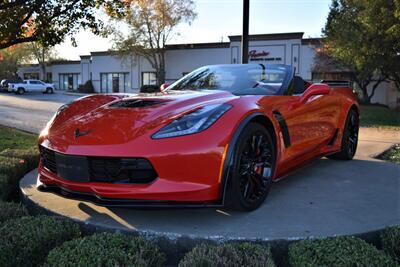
{"x": 181, "y": 61}
{"x": 105, "y": 63}
{"x": 307, "y": 54}
{"x": 59, "y": 69}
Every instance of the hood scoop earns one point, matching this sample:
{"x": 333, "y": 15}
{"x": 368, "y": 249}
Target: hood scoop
{"x": 135, "y": 103}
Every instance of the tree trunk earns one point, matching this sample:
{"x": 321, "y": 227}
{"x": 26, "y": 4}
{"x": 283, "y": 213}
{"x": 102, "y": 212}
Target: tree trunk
{"x": 374, "y": 88}
{"x": 161, "y": 68}
{"x": 365, "y": 99}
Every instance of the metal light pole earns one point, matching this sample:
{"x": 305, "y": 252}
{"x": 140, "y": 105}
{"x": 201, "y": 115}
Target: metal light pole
{"x": 245, "y": 33}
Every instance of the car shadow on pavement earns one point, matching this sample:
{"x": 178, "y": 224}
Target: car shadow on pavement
{"x": 328, "y": 197}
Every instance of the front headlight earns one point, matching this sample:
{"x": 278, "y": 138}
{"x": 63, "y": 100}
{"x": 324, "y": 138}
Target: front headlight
{"x": 194, "y": 122}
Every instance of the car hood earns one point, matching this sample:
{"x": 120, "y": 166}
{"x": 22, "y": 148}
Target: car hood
{"x": 125, "y": 117}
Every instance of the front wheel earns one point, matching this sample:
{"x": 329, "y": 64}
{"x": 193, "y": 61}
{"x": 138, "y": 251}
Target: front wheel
{"x": 49, "y": 90}
{"x": 350, "y": 137}
{"x": 254, "y": 164}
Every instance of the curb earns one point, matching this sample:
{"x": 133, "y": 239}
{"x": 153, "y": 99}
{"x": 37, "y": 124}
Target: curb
{"x": 175, "y": 246}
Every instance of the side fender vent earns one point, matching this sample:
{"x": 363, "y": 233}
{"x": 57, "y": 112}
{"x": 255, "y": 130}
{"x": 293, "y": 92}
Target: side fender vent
{"x": 284, "y": 129}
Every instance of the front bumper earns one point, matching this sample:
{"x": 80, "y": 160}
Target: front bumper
{"x": 191, "y": 175}
{"x": 131, "y": 203}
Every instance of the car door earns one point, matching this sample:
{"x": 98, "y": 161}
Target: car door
{"x": 307, "y": 120}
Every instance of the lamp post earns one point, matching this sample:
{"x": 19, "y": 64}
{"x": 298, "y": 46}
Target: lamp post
{"x": 245, "y": 33}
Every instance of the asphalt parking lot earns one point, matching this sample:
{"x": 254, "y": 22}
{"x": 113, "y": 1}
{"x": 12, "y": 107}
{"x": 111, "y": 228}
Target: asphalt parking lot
{"x": 31, "y": 111}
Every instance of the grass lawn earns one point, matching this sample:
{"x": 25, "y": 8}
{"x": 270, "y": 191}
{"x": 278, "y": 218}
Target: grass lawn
{"x": 15, "y": 139}
{"x": 377, "y": 116}
{"x": 392, "y": 154}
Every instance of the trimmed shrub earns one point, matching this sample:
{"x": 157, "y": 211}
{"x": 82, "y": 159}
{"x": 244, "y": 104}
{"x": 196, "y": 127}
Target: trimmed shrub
{"x": 231, "y": 254}
{"x": 106, "y": 249}
{"x": 11, "y": 171}
{"x": 150, "y": 89}
{"x": 26, "y": 241}
{"x": 338, "y": 251}
{"x": 86, "y": 88}
{"x": 4, "y": 187}
{"x": 30, "y": 156}
{"x": 391, "y": 242}
{"x": 10, "y": 210}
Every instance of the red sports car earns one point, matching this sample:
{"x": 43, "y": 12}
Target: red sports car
{"x": 220, "y": 135}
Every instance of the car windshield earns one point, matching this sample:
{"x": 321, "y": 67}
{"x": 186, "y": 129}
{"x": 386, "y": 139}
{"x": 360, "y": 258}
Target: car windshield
{"x": 246, "y": 79}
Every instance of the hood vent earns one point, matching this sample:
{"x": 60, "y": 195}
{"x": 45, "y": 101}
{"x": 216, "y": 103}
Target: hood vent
{"x": 135, "y": 103}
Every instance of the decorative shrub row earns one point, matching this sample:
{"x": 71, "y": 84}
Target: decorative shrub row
{"x": 391, "y": 242}
{"x": 338, "y": 251}
{"x": 10, "y": 210}
{"x": 14, "y": 163}
{"x": 106, "y": 250}
{"x": 27, "y": 241}
{"x": 230, "y": 254}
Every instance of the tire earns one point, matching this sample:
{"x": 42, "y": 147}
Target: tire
{"x": 49, "y": 90}
{"x": 253, "y": 166}
{"x": 20, "y": 91}
{"x": 350, "y": 137}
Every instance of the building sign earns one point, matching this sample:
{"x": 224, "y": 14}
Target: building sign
{"x": 262, "y": 55}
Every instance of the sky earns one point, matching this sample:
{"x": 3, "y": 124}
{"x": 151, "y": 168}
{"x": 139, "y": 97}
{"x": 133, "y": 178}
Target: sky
{"x": 217, "y": 19}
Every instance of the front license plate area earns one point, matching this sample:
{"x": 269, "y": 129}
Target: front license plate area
{"x": 73, "y": 168}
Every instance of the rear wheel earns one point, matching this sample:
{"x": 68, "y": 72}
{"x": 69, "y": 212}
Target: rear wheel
{"x": 254, "y": 163}
{"x": 20, "y": 91}
{"x": 350, "y": 137}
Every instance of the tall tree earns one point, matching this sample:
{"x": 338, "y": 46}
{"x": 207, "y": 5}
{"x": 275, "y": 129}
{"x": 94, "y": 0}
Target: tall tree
{"x": 151, "y": 24}
{"x": 40, "y": 54}
{"x": 362, "y": 35}
{"x": 10, "y": 58}
{"x": 47, "y": 21}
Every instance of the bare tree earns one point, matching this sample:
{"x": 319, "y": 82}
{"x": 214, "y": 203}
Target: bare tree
{"x": 42, "y": 55}
{"x": 151, "y": 25}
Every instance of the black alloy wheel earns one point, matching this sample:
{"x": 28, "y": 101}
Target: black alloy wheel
{"x": 254, "y": 164}
{"x": 350, "y": 137}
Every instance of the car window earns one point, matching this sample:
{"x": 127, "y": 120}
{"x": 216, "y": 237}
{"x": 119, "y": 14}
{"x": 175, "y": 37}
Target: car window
{"x": 247, "y": 79}
{"x": 34, "y": 82}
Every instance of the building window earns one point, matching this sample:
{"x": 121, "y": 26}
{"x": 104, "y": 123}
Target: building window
{"x": 149, "y": 78}
{"x": 31, "y": 76}
{"x": 49, "y": 77}
{"x": 114, "y": 82}
{"x": 69, "y": 81}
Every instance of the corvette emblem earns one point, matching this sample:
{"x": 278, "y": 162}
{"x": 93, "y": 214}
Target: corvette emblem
{"x": 78, "y": 133}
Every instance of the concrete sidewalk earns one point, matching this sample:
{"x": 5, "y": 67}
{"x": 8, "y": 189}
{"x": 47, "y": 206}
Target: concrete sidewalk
{"x": 325, "y": 199}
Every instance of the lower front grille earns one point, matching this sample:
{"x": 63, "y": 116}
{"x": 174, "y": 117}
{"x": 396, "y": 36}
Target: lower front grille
{"x": 98, "y": 169}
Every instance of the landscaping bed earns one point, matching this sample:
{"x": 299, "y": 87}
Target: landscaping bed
{"x": 18, "y": 155}
{"x": 379, "y": 116}
{"x": 392, "y": 155}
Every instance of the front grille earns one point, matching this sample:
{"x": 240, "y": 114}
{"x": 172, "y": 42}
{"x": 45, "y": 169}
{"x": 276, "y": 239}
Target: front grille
{"x": 48, "y": 159}
{"x": 98, "y": 169}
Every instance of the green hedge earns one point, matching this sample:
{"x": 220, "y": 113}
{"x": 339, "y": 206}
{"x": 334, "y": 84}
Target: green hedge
{"x": 26, "y": 241}
{"x": 11, "y": 171}
{"x": 30, "y": 156}
{"x": 106, "y": 249}
{"x": 230, "y": 254}
{"x": 14, "y": 163}
{"x": 10, "y": 210}
{"x": 391, "y": 242}
{"x": 338, "y": 251}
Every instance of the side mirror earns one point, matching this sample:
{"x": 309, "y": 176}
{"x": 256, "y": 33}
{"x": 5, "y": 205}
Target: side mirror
{"x": 315, "y": 90}
{"x": 164, "y": 87}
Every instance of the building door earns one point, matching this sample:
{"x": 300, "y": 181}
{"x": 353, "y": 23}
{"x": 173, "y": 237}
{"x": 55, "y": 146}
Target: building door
{"x": 115, "y": 84}
{"x": 70, "y": 82}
